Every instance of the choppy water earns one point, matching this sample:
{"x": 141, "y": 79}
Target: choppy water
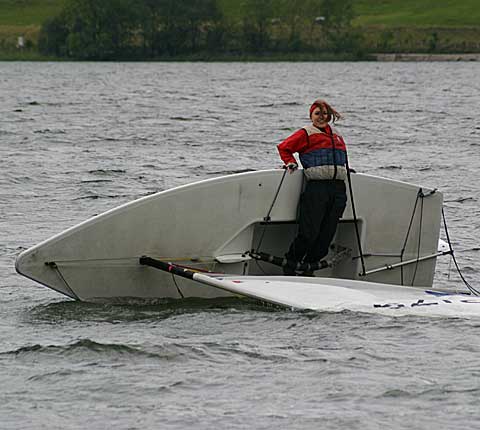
{"x": 80, "y": 138}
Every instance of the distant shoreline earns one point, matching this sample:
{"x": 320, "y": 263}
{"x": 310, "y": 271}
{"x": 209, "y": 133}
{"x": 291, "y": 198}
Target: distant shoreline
{"x": 426, "y": 57}
{"x": 267, "y": 58}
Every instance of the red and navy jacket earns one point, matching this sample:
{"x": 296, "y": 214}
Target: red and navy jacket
{"x": 322, "y": 152}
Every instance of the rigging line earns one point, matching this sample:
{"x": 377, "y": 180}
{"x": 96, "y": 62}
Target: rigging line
{"x": 88, "y": 260}
{"x": 260, "y": 267}
{"x": 473, "y": 290}
{"x": 120, "y": 259}
{"x": 419, "y": 239}
{"x": 419, "y": 194}
{"x": 267, "y": 218}
{"x": 355, "y": 220}
{"x": 449, "y": 268}
{"x": 402, "y": 251}
{"x": 371, "y": 254}
{"x": 178, "y": 288}
{"x": 57, "y": 269}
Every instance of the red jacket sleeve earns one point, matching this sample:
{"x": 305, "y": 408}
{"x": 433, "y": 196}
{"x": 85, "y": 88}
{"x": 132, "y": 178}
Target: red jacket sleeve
{"x": 297, "y": 142}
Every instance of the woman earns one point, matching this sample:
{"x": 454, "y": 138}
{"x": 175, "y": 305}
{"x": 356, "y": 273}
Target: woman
{"x": 323, "y": 155}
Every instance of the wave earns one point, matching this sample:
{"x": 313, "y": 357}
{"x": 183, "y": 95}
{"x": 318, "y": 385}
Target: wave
{"x": 134, "y": 309}
{"x": 391, "y": 167}
{"x": 90, "y": 181}
{"x": 461, "y": 200}
{"x": 50, "y": 131}
{"x": 85, "y": 348}
{"x": 98, "y": 196}
{"x": 106, "y": 171}
{"x": 203, "y": 351}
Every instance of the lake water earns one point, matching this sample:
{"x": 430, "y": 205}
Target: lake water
{"x": 77, "y": 139}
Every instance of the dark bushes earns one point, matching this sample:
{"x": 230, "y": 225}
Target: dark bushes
{"x": 149, "y": 29}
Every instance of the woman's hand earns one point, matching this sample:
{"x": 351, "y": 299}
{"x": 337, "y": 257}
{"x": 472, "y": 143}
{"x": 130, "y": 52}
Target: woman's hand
{"x": 291, "y": 167}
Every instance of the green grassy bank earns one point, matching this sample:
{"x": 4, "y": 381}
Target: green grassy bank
{"x": 418, "y": 13}
{"x": 408, "y": 26}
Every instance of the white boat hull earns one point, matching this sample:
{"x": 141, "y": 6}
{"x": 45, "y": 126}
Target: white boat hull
{"x": 208, "y": 224}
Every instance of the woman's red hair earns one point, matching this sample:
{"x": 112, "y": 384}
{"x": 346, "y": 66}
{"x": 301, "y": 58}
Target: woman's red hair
{"x": 333, "y": 115}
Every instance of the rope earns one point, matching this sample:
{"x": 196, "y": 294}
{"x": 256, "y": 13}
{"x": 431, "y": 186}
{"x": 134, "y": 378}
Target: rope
{"x": 60, "y": 274}
{"x": 355, "y": 220}
{"x": 473, "y": 290}
{"x": 100, "y": 260}
{"x": 134, "y": 260}
{"x": 267, "y": 218}
{"x": 177, "y": 287}
{"x": 402, "y": 252}
{"x": 419, "y": 239}
{"x": 260, "y": 267}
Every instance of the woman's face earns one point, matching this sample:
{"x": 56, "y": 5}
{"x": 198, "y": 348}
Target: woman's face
{"x": 320, "y": 116}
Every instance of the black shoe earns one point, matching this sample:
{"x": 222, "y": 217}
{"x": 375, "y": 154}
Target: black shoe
{"x": 289, "y": 271}
{"x": 308, "y": 273}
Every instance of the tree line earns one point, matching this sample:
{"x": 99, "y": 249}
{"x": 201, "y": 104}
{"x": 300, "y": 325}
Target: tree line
{"x": 152, "y": 29}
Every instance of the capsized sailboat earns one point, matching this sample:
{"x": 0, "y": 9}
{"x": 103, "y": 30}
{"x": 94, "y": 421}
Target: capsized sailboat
{"x": 229, "y": 230}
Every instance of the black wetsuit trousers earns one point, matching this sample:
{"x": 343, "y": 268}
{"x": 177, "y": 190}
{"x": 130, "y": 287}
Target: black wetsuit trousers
{"x": 321, "y": 206}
